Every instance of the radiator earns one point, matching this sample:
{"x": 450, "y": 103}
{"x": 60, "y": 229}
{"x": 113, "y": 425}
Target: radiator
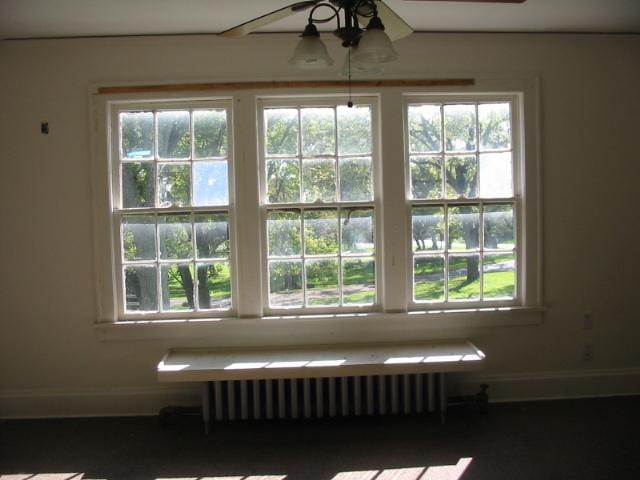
{"x": 324, "y": 397}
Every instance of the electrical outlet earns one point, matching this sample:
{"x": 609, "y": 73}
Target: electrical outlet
{"x": 588, "y": 353}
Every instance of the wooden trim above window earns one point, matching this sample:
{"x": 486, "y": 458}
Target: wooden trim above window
{"x": 200, "y": 87}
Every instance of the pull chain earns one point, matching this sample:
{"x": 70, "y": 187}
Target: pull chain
{"x": 349, "y": 103}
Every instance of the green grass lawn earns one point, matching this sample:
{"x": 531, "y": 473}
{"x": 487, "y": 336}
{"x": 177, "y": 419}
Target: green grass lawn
{"x": 326, "y": 300}
{"x": 219, "y": 287}
{"x": 429, "y": 291}
{"x": 498, "y": 258}
{"x": 359, "y": 274}
{"x": 496, "y": 285}
{"x": 499, "y": 284}
{"x": 364, "y": 297}
{"x": 460, "y": 289}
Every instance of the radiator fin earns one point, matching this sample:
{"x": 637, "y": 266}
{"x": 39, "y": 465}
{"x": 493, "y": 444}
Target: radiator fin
{"x": 323, "y": 397}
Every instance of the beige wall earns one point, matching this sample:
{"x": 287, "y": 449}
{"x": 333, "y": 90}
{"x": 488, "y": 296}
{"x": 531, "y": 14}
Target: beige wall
{"x": 53, "y": 362}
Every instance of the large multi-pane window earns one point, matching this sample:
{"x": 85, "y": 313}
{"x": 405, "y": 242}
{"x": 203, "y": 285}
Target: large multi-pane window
{"x": 318, "y": 202}
{"x": 299, "y": 226}
{"x": 463, "y": 206}
{"x": 171, "y": 209}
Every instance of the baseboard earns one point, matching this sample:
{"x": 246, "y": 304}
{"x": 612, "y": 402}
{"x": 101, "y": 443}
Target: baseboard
{"x": 553, "y": 385}
{"x": 148, "y": 401}
{"x": 95, "y": 402}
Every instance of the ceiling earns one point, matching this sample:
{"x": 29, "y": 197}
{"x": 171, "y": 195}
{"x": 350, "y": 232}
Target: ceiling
{"x": 78, "y": 18}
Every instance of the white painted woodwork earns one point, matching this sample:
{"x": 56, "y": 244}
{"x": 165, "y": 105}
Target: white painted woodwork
{"x": 199, "y": 365}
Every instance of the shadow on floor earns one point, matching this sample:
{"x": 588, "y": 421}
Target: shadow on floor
{"x": 572, "y": 439}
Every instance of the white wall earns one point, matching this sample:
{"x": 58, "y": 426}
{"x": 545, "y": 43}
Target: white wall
{"x": 52, "y": 362}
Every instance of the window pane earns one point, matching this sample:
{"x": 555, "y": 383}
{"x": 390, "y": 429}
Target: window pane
{"x": 174, "y": 137}
{"x": 138, "y": 185}
{"x": 283, "y": 181}
{"x": 314, "y": 238}
{"x": 495, "y": 126}
{"x": 498, "y": 226}
{"x": 458, "y": 152}
{"x": 496, "y": 175}
{"x": 141, "y": 293}
{"x": 464, "y": 277}
{"x": 322, "y": 282}
{"x": 175, "y": 236}
{"x": 427, "y": 228}
{"x": 174, "y": 185}
{"x": 136, "y": 135}
{"x": 210, "y": 183}
{"x": 212, "y": 235}
{"x": 464, "y": 227}
{"x": 318, "y": 131}
{"x": 321, "y": 232}
{"x": 283, "y": 231}
{"x": 177, "y": 286}
{"x": 499, "y": 277}
{"x": 357, "y": 230}
{"x": 428, "y": 279}
{"x": 210, "y": 132}
{"x": 425, "y": 129}
{"x": 462, "y": 176}
{"x": 354, "y": 130}
{"x": 460, "y": 128}
{"x": 426, "y": 177}
{"x": 319, "y": 180}
{"x": 214, "y": 286}
{"x": 281, "y": 125}
{"x": 285, "y": 284}
{"x": 359, "y": 281}
{"x": 355, "y": 179}
{"x": 139, "y": 237}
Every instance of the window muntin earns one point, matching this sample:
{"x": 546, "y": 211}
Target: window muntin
{"x": 318, "y": 184}
{"x": 171, "y": 209}
{"x": 460, "y": 159}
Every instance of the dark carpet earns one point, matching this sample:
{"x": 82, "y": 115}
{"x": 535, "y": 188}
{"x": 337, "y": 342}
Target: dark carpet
{"x": 569, "y": 439}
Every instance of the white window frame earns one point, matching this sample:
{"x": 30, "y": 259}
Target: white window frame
{"x": 394, "y": 316}
{"x": 322, "y": 101}
{"x": 518, "y": 177}
{"x": 113, "y": 110}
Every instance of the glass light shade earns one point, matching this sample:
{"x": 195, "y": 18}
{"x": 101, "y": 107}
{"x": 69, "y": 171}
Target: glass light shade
{"x": 374, "y": 47}
{"x": 359, "y": 68}
{"x": 310, "y": 53}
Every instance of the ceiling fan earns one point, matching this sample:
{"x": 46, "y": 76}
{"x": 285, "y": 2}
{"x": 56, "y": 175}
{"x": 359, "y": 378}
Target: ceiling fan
{"x": 395, "y": 26}
{"x": 366, "y": 28}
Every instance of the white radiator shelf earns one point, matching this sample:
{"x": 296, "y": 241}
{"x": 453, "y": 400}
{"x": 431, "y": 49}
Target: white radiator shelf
{"x": 202, "y": 365}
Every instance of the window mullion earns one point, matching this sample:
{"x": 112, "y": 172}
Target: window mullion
{"x": 248, "y": 299}
{"x": 392, "y": 251}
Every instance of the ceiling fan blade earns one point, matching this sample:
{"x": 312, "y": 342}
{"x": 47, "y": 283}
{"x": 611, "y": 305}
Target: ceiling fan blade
{"x": 471, "y": 1}
{"x": 394, "y": 26}
{"x": 266, "y": 19}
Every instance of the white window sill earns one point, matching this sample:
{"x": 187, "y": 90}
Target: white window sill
{"x": 319, "y": 329}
